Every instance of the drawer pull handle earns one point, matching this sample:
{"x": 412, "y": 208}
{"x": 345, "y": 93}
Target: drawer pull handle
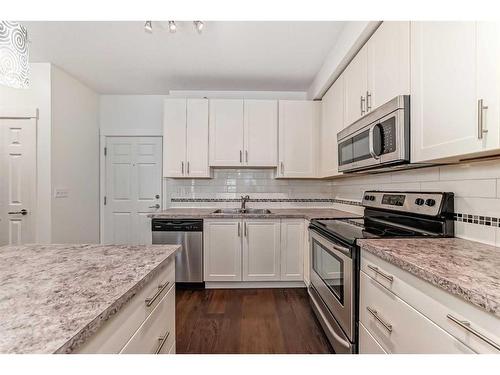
{"x": 378, "y": 272}
{"x": 374, "y": 312}
{"x": 162, "y": 340}
{"x": 466, "y": 325}
{"x": 161, "y": 288}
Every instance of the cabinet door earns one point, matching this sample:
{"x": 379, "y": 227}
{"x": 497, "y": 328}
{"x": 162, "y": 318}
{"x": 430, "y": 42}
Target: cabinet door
{"x": 443, "y": 90}
{"x": 226, "y": 132}
{"x": 261, "y": 250}
{"x": 488, "y": 80}
{"x": 174, "y": 137}
{"x": 261, "y": 133}
{"x": 332, "y": 121}
{"x": 292, "y": 250}
{"x": 197, "y": 138}
{"x": 222, "y": 249}
{"x": 388, "y": 63}
{"x": 355, "y": 87}
{"x": 298, "y": 131}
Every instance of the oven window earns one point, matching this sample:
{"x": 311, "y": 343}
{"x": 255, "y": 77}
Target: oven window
{"x": 361, "y": 146}
{"x": 345, "y": 152}
{"x": 330, "y": 269}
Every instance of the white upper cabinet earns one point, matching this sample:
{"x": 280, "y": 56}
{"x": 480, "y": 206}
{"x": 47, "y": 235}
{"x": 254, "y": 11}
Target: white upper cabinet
{"x": 260, "y": 133}
{"x": 185, "y": 138}
{"x": 174, "y": 138}
{"x": 226, "y": 132}
{"x": 298, "y": 132}
{"x": 197, "y": 138}
{"x": 332, "y": 121}
{"x": 388, "y": 63}
{"x": 355, "y": 87}
{"x": 454, "y": 77}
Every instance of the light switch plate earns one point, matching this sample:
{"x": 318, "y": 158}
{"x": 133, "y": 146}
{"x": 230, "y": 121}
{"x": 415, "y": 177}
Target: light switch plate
{"x": 61, "y": 193}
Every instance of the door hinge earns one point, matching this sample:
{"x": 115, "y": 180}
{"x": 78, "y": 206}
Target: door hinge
{"x": 105, "y": 151}
{"x": 105, "y": 200}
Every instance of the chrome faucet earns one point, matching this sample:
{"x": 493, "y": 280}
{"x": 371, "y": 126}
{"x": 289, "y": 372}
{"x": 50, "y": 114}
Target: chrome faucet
{"x": 244, "y": 200}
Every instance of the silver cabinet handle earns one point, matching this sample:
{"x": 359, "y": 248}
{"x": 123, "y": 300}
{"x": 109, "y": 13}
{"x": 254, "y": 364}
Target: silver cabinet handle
{"x": 239, "y": 229}
{"x": 245, "y": 228}
{"x": 187, "y": 167}
{"x": 157, "y": 205}
{"x": 374, "y": 312}
{"x": 149, "y": 301}
{"x": 282, "y": 168}
{"x": 22, "y": 212}
{"x": 182, "y": 167}
{"x": 362, "y": 105}
{"x": 241, "y": 156}
{"x": 466, "y": 325}
{"x": 480, "y": 119}
{"x": 162, "y": 340}
{"x": 368, "y": 101}
{"x": 246, "y": 156}
{"x": 378, "y": 272}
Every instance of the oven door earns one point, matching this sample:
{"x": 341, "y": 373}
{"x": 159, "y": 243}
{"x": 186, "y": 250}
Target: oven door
{"x": 332, "y": 278}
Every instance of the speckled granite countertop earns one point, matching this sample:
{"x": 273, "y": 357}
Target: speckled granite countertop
{"x": 470, "y": 270}
{"x": 52, "y": 297}
{"x": 276, "y": 213}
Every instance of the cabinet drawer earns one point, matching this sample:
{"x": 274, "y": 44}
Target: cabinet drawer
{"x": 367, "y": 344}
{"x": 116, "y": 331}
{"x": 157, "y": 334}
{"x": 397, "y": 326}
{"x": 436, "y": 304}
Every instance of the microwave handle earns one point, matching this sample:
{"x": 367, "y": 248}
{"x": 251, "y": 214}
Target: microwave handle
{"x": 371, "y": 146}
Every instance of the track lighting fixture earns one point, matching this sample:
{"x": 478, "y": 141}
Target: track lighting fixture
{"x": 172, "y": 27}
{"x": 148, "y": 27}
{"x": 198, "y": 25}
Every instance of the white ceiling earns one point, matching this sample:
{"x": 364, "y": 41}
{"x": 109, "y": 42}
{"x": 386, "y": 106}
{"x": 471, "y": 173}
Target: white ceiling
{"x": 120, "y": 58}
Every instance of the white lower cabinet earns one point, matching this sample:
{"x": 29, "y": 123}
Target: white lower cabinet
{"x": 292, "y": 250}
{"x": 406, "y": 302}
{"x": 222, "y": 249}
{"x": 367, "y": 344}
{"x": 253, "y": 250}
{"x": 261, "y": 250}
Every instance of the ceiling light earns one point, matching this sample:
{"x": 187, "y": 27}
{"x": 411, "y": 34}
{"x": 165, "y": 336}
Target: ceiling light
{"x": 14, "y": 55}
{"x": 172, "y": 27}
{"x": 198, "y": 25}
{"x": 148, "y": 27}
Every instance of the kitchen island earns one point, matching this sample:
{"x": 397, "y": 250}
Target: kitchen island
{"x": 55, "y": 298}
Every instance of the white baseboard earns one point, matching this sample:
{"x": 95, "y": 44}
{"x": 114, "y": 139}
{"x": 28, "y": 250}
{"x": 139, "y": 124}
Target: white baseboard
{"x": 253, "y": 284}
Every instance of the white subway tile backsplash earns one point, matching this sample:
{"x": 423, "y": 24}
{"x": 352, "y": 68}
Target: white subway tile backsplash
{"x": 475, "y": 232}
{"x": 464, "y": 188}
{"x": 471, "y": 171}
{"x": 423, "y": 174}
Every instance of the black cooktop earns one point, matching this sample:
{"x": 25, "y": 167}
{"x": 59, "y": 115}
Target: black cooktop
{"x": 349, "y": 230}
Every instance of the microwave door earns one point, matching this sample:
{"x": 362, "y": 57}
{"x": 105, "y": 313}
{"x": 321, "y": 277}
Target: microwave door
{"x": 361, "y": 150}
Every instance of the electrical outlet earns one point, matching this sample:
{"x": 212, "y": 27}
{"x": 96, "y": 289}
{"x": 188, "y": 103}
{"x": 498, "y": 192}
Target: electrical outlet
{"x": 61, "y": 193}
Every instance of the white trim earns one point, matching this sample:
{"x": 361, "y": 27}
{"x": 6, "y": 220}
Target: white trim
{"x": 18, "y": 113}
{"x": 102, "y": 171}
{"x": 253, "y": 284}
{"x": 130, "y": 133}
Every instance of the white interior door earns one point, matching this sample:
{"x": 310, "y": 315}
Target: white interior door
{"x": 17, "y": 180}
{"x": 133, "y": 188}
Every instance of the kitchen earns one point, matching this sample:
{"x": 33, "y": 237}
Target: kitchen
{"x": 344, "y": 200}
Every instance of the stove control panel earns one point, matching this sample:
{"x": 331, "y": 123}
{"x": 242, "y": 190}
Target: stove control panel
{"x": 414, "y": 202}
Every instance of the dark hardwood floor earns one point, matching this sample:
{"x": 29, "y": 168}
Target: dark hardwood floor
{"x": 219, "y": 321}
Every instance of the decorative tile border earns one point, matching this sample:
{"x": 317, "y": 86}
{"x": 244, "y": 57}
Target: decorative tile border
{"x": 477, "y": 219}
{"x": 304, "y": 200}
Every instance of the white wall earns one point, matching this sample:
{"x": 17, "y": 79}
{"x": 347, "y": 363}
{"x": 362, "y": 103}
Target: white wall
{"x": 75, "y": 160}
{"x": 38, "y": 95}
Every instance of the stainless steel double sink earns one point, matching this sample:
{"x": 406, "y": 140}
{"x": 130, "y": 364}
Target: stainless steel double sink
{"x": 239, "y": 211}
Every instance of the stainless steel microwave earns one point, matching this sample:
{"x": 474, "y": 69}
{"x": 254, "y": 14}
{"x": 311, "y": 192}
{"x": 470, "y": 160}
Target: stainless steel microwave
{"x": 379, "y": 139}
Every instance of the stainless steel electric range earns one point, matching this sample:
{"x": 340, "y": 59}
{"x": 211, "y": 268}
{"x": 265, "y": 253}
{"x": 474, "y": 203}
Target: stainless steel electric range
{"x": 334, "y": 254}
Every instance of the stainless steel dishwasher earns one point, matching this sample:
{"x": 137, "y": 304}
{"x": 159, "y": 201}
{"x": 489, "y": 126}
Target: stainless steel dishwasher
{"x": 189, "y": 260}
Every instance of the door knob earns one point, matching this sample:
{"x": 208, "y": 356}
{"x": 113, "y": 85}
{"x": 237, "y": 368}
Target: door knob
{"x": 157, "y": 205}
{"x": 22, "y": 212}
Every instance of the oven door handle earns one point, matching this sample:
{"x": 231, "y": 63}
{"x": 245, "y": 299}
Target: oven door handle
{"x": 330, "y": 243}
